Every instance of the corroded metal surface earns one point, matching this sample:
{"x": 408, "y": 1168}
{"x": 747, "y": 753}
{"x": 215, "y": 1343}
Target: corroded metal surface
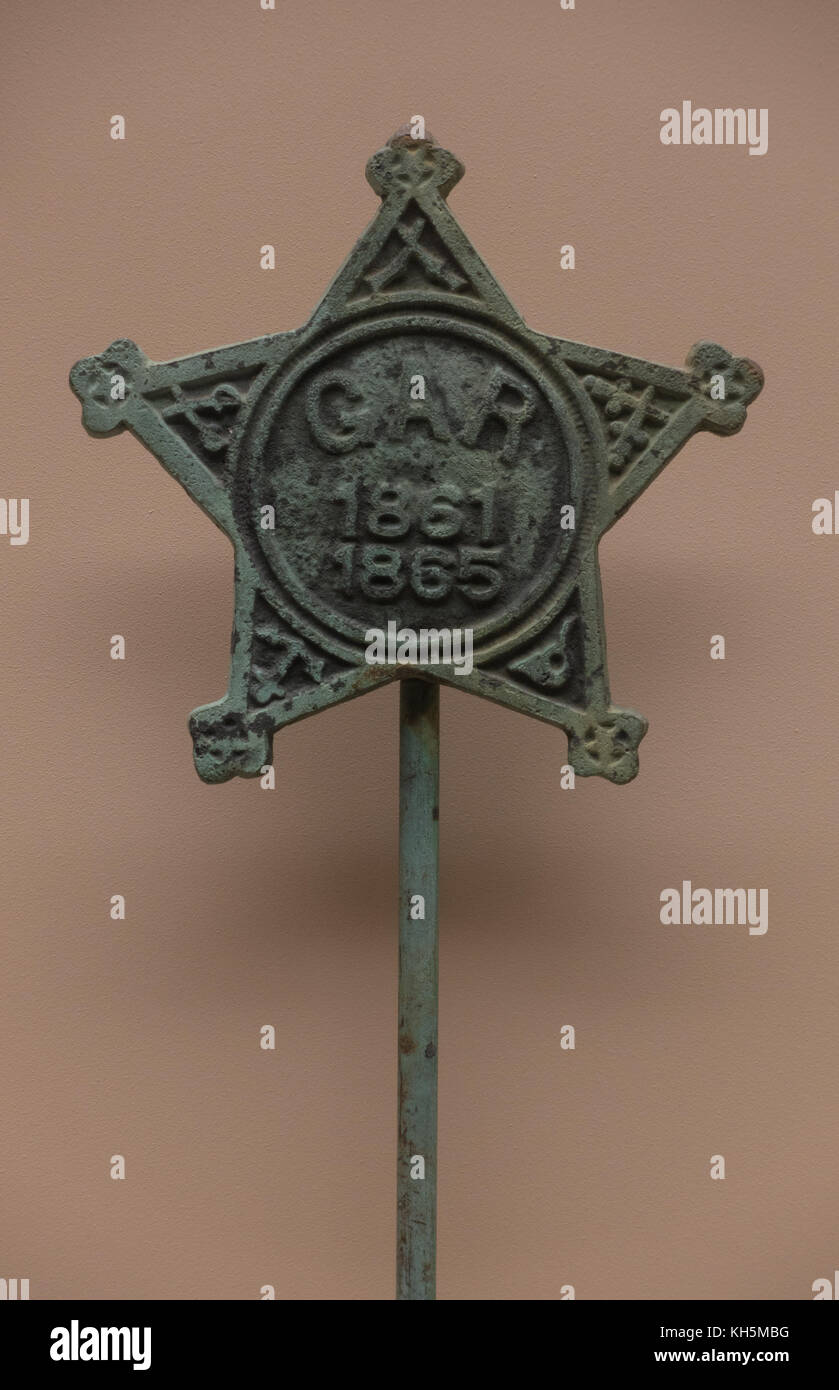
{"x": 353, "y": 502}
{"x": 416, "y": 1186}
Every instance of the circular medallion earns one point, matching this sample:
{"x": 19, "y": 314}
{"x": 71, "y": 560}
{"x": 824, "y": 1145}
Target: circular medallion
{"x": 417, "y": 471}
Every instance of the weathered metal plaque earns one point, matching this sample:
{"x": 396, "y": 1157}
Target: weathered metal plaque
{"x": 415, "y": 460}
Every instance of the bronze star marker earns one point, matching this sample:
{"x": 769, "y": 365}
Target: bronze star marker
{"x": 415, "y": 456}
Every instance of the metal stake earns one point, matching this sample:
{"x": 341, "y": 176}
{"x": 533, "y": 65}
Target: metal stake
{"x": 416, "y": 1175}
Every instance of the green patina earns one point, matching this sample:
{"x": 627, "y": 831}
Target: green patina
{"x": 353, "y": 501}
{"x": 415, "y": 460}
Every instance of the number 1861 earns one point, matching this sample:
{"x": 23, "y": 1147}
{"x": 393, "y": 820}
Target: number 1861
{"x": 397, "y": 511}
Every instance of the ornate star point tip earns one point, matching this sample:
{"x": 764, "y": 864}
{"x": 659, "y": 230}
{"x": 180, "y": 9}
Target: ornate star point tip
{"x": 414, "y": 460}
{"x": 411, "y": 162}
{"x": 728, "y": 383}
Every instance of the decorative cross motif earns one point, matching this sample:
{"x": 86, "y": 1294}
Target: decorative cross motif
{"x": 211, "y": 433}
{"x": 414, "y": 456}
{"x": 616, "y": 399}
{"x": 434, "y": 266}
{"x": 271, "y": 670}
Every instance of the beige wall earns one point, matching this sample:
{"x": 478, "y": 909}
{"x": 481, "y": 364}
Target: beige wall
{"x": 248, "y": 907}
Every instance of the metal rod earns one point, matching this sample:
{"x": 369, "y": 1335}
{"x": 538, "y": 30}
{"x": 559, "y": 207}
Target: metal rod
{"x": 416, "y": 1177}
